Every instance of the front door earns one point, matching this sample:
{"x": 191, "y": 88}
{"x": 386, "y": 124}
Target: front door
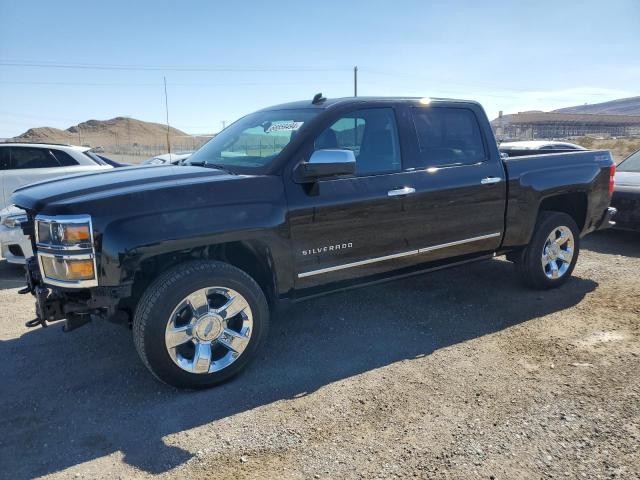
{"x": 346, "y": 228}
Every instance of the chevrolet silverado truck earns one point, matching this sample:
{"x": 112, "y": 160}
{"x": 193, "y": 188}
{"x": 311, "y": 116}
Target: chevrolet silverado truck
{"x": 291, "y": 202}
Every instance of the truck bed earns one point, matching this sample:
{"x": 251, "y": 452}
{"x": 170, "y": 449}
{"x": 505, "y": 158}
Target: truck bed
{"x": 582, "y": 178}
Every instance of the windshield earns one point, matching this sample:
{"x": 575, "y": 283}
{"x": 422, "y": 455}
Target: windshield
{"x": 631, "y": 164}
{"x": 254, "y": 140}
{"x": 94, "y": 157}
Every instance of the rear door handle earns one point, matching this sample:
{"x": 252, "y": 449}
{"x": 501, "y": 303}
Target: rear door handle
{"x": 401, "y": 191}
{"x": 490, "y": 180}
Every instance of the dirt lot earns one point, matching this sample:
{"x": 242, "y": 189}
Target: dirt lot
{"x": 456, "y": 374}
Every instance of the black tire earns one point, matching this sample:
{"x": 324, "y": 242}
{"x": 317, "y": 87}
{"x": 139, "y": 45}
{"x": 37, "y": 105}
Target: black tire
{"x": 529, "y": 263}
{"x": 163, "y": 296}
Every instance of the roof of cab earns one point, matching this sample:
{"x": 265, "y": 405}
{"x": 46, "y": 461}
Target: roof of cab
{"x": 330, "y": 102}
{"x": 60, "y": 146}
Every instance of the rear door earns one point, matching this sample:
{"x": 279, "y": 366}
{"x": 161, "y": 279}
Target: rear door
{"x": 458, "y": 203}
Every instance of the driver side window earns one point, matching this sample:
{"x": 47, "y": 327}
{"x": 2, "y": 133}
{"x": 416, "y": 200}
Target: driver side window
{"x": 371, "y": 134}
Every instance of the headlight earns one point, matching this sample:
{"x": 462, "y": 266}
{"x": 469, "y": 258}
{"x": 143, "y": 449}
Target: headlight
{"x": 67, "y": 269}
{"x": 13, "y": 221}
{"x": 65, "y": 250}
{"x": 64, "y": 233}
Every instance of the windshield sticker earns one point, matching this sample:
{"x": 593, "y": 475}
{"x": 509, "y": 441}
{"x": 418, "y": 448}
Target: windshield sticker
{"x": 284, "y": 126}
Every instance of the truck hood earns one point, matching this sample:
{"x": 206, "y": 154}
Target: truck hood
{"x": 62, "y": 194}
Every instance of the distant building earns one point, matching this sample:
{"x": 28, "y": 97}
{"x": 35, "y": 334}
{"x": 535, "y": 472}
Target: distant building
{"x": 541, "y": 125}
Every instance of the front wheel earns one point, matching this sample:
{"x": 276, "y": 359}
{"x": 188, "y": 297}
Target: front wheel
{"x": 200, "y": 323}
{"x": 549, "y": 259}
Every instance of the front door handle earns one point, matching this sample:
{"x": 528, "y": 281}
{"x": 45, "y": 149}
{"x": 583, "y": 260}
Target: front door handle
{"x": 490, "y": 180}
{"x": 401, "y": 191}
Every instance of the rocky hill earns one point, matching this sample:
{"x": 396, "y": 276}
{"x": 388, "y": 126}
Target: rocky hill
{"x": 622, "y": 106}
{"x": 106, "y": 133}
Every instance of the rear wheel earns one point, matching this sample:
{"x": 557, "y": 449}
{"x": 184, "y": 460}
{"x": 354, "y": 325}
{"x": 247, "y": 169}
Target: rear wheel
{"x": 549, "y": 259}
{"x": 200, "y": 323}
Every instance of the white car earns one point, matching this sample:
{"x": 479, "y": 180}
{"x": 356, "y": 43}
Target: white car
{"x": 539, "y": 145}
{"x": 24, "y": 163}
{"x": 14, "y": 245}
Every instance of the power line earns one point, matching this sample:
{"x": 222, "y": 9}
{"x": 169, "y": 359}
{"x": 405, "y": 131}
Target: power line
{"x": 159, "y": 84}
{"x": 178, "y": 68}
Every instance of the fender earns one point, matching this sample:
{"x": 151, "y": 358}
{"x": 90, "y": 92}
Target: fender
{"x": 128, "y": 241}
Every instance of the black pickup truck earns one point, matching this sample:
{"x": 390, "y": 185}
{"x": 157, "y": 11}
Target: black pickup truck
{"x": 290, "y": 202}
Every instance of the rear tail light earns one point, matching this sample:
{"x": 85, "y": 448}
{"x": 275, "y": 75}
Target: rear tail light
{"x": 612, "y": 182}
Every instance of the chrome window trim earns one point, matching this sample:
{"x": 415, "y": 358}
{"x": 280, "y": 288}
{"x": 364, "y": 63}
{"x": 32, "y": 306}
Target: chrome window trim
{"x": 398, "y": 255}
{"x": 82, "y": 251}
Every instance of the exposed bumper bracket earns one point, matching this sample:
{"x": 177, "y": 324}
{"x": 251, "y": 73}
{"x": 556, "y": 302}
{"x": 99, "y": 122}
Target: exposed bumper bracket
{"x": 606, "y": 221}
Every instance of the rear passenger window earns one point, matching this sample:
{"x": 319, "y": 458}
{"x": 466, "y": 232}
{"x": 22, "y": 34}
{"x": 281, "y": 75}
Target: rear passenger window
{"x": 26, "y": 157}
{"x": 64, "y": 158}
{"x": 371, "y": 134}
{"x": 448, "y": 136}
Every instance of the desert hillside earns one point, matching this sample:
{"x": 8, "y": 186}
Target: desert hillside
{"x": 620, "y": 148}
{"x": 622, "y": 106}
{"x": 117, "y": 131}
{"x": 122, "y": 138}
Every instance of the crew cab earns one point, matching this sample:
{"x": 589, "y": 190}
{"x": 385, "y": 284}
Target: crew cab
{"x": 294, "y": 201}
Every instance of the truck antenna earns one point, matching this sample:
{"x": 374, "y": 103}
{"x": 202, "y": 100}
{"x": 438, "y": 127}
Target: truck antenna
{"x": 318, "y": 99}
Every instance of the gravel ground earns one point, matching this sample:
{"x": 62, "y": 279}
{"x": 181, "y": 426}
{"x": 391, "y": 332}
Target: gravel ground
{"x": 457, "y": 374}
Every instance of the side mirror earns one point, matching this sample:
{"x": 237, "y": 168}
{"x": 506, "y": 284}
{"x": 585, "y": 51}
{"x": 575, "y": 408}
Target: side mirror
{"x": 327, "y": 163}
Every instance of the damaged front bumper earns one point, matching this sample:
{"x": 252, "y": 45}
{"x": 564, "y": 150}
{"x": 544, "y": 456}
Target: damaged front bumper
{"x": 75, "y": 306}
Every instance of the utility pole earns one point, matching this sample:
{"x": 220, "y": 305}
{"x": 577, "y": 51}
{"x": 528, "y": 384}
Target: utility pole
{"x": 166, "y": 106}
{"x": 355, "y": 81}
{"x": 224, "y": 124}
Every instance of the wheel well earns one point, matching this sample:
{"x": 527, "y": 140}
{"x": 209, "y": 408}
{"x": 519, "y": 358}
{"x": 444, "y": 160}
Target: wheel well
{"x": 253, "y": 259}
{"x": 573, "y": 204}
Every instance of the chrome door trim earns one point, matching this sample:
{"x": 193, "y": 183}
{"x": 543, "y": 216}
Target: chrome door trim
{"x": 397, "y": 255}
{"x": 459, "y": 242}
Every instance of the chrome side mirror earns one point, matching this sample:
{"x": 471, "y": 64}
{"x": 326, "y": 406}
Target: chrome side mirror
{"x": 327, "y": 163}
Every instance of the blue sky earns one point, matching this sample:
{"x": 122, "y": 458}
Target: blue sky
{"x": 225, "y": 59}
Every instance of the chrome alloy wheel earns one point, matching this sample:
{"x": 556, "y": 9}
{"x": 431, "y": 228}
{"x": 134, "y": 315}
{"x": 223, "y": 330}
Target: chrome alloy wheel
{"x": 557, "y": 252}
{"x": 209, "y": 330}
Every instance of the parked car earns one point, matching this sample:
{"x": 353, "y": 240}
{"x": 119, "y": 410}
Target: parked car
{"x": 167, "y": 159}
{"x": 106, "y": 160}
{"x": 517, "y": 149}
{"x": 626, "y": 195}
{"x": 291, "y": 202}
{"x": 24, "y": 163}
{"x": 15, "y": 246}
